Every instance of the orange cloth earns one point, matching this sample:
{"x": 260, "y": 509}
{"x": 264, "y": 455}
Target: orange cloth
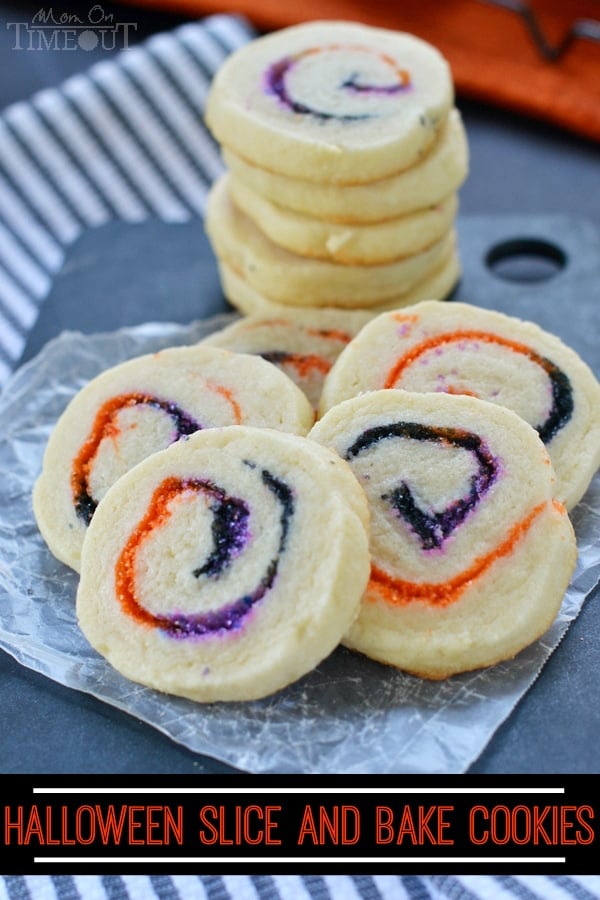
{"x": 491, "y": 52}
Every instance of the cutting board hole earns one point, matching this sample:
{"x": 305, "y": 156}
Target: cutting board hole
{"x": 525, "y": 260}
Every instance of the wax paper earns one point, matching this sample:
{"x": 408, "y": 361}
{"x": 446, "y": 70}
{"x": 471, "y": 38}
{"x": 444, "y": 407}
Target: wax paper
{"x": 350, "y": 715}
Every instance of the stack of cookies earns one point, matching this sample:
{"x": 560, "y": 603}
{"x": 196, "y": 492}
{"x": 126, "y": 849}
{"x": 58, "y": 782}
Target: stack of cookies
{"x": 344, "y": 155}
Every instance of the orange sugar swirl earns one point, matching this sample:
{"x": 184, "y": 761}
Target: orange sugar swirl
{"x": 398, "y": 592}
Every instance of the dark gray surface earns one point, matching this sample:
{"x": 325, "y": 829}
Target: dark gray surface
{"x": 121, "y": 274}
{"x": 517, "y": 167}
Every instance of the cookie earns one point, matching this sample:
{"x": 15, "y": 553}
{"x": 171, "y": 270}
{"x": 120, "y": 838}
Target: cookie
{"x": 226, "y": 566}
{"x": 439, "y": 173}
{"x": 437, "y": 285}
{"x": 331, "y": 101}
{"x": 471, "y": 553}
{"x": 379, "y": 242}
{"x": 460, "y": 348}
{"x": 295, "y": 280}
{"x": 141, "y": 406}
{"x": 304, "y": 343}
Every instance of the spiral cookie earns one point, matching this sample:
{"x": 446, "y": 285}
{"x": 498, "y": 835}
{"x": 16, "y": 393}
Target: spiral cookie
{"x": 290, "y": 279}
{"x": 331, "y": 101}
{"x": 226, "y": 566}
{"x": 462, "y": 349}
{"x": 378, "y": 242}
{"x": 471, "y": 555}
{"x": 141, "y": 406}
{"x": 441, "y": 172}
{"x": 438, "y": 284}
{"x": 304, "y": 343}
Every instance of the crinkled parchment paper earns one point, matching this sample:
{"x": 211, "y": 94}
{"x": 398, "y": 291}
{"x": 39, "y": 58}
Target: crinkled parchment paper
{"x": 350, "y": 715}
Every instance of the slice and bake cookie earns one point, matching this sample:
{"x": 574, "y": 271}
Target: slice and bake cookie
{"x": 378, "y": 242}
{"x": 291, "y": 279}
{"x": 226, "y": 566}
{"x": 143, "y": 405}
{"x": 304, "y": 343}
{"x": 331, "y": 101}
{"x": 471, "y": 555}
{"x": 439, "y": 173}
{"x": 439, "y": 284}
{"x": 462, "y": 349}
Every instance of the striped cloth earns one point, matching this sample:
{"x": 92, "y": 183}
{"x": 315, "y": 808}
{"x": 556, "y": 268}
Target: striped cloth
{"x": 300, "y": 887}
{"x": 126, "y": 140}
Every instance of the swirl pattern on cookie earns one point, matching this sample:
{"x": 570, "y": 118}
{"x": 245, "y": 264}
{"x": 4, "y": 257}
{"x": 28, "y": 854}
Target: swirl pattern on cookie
{"x": 308, "y": 101}
{"x": 432, "y": 528}
{"x": 463, "y": 525}
{"x": 139, "y": 407}
{"x": 230, "y": 534}
{"x": 364, "y": 71}
{"x": 206, "y": 549}
{"x": 561, "y": 407}
{"x": 462, "y": 349}
{"x": 106, "y": 425}
{"x": 304, "y": 343}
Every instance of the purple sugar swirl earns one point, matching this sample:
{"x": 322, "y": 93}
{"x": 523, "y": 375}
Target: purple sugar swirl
{"x": 276, "y": 75}
{"x": 230, "y": 534}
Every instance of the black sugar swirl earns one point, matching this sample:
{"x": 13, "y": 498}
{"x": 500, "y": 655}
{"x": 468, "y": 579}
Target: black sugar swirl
{"x": 277, "y": 82}
{"x": 432, "y": 529}
{"x": 230, "y": 536}
{"x": 563, "y": 403}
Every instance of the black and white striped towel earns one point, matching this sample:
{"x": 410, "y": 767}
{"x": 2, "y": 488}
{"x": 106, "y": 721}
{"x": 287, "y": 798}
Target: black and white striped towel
{"x": 126, "y": 140}
{"x": 307, "y": 887}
